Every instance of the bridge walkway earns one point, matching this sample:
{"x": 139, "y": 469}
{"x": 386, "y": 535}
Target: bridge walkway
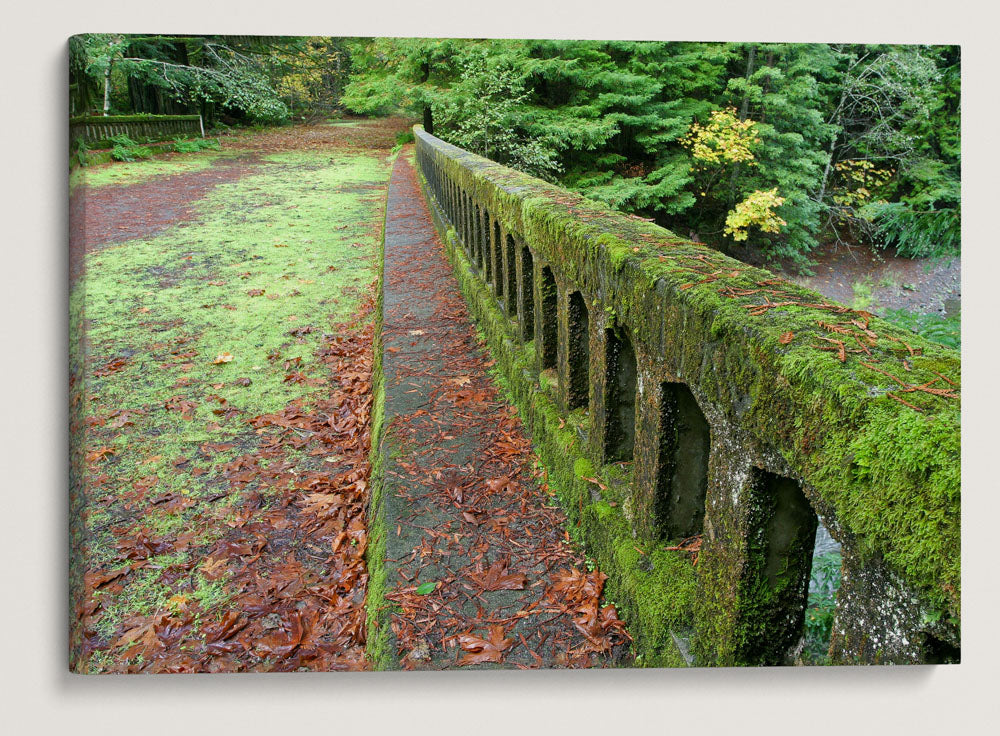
{"x": 480, "y": 569}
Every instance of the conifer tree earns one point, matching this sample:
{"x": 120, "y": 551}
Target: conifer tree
{"x": 614, "y": 121}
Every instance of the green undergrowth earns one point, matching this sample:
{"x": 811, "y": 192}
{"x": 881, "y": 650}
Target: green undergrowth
{"x": 944, "y": 329}
{"x": 125, "y": 149}
{"x": 821, "y": 606}
{"x": 196, "y": 144}
{"x": 203, "y": 318}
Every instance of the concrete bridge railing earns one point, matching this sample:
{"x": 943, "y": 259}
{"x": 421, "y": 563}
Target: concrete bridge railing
{"x": 98, "y": 129}
{"x": 680, "y": 398}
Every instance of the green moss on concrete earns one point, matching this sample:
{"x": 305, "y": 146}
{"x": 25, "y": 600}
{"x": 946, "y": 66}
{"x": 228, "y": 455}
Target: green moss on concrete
{"x": 583, "y": 468}
{"x": 655, "y": 588}
{"x": 379, "y": 641}
{"x": 109, "y": 119}
{"x": 888, "y": 474}
{"x": 897, "y": 454}
{"x": 378, "y": 645}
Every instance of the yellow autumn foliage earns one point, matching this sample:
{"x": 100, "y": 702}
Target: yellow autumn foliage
{"x": 724, "y": 139}
{"x": 860, "y": 178}
{"x": 757, "y": 210}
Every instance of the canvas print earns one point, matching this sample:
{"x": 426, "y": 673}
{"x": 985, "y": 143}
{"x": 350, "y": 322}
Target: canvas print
{"x": 429, "y": 353}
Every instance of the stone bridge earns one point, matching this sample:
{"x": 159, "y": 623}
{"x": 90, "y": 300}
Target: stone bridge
{"x": 680, "y": 398}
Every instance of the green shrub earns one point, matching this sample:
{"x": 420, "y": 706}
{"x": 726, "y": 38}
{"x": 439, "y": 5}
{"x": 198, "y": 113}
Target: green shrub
{"x": 918, "y": 233}
{"x": 197, "y": 144}
{"x": 130, "y": 153}
{"x": 818, "y": 627}
{"x": 186, "y": 146}
{"x": 81, "y": 152}
{"x": 122, "y": 139}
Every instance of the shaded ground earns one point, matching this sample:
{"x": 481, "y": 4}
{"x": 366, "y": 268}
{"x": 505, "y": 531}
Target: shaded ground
{"x": 220, "y": 397}
{"x": 480, "y": 568}
{"x": 847, "y": 273}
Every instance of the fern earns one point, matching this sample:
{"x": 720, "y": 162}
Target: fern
{"x": 944, "y": 330}
{"x": 918, "y": 233}
{"x": 130, "y": 153}
{"x": 123, "y": 140}
{"x": 197, "y": 144}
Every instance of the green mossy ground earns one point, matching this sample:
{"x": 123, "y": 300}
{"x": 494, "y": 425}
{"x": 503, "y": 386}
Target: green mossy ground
{"x": 300, "y": 229}
{"x": 133, "y": 172}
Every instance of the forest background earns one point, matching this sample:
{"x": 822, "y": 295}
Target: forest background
{"x": 763, "y": 150}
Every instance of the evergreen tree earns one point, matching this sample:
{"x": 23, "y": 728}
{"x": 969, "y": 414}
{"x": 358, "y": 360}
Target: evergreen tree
{"x": 173, "y": 74}
{"x": 923, "y": 214}
{"x": 862, "y": 135}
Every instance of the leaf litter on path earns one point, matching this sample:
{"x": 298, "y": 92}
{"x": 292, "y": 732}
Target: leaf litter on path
{"x": 511, "y": 590}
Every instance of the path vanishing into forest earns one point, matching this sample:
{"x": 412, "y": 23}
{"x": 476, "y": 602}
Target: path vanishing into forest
{"x": 223, "y": 308}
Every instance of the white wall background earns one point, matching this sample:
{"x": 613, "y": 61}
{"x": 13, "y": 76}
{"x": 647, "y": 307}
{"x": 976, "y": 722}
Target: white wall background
{"x": 38, "y": 694}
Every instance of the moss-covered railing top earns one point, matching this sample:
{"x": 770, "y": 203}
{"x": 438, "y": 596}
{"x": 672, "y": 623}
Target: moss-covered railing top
{"x": 142, "y": 118}
{"x": 863, "y": 414}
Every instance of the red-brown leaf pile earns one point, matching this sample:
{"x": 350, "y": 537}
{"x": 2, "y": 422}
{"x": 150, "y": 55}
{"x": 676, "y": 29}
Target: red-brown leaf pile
{"x": 291, "y": 567}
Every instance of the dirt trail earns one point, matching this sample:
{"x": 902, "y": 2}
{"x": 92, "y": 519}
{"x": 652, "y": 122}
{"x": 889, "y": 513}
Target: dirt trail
{"x": 917, "y": 285}
{"x": 115, "y": 214}
{"x": 469, "y": 526}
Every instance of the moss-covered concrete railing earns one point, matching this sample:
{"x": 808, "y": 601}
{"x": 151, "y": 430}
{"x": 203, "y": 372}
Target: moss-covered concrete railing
{"x": 681, "y": 398}
{"x": 95, "y": 130}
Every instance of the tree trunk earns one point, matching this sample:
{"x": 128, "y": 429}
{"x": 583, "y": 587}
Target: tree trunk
{"x": 826, "y": 170}
{"x": 744, "y": 109}
{"x": 107, "y": 86}
{"x": 835, "y": 120}
{"x": 339, "y": 83}
{"x": 425, "y": 68}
